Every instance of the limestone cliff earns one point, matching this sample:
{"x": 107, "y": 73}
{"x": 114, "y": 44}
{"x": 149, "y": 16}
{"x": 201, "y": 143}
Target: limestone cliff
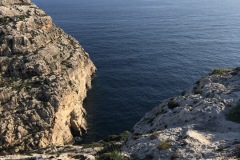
{"x": 44, "y": 77}
{"x": 202, "y": 123}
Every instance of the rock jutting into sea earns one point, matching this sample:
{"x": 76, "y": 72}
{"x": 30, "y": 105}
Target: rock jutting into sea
{"x": 202, "y": 123}
{"x": 44, "y": 77}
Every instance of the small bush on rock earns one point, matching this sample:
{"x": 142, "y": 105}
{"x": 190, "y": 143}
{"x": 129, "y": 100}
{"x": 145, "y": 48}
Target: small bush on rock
{"x": 6, "y": 20}
{"x": 120, "y": 137}
{"x": 220, "y": 71}
{"x": 172, "y": 104}
{"x": 110, "y": 152}
{"x": 111, "y": 147}
{"x": 114, "y": 155}
{"x": 94, "y": 144}
{"x": 164, "y": 145}
{"x": 174, "y": 156}
{"x": 237, "y": 152}
{"x": 234, "y": 114}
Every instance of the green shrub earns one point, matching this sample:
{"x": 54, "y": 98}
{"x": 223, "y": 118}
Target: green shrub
{"x": 172, "y": 104}
{"x": 136, "y": 136}
{"x": 237, "y": 152}
{"x": 164, "y": 145}
{"x": 110, "y": 147}
{"x": 234, "y": 114}
{"x": 220, "y": 71}
{"x": 121, "y": 137}
{"x": 7, "y": 20}
{"x": 114, "y": 155}
{"x": 94, "y": 144}
{"x": 110, "y": 151}
{"x": 197, "y": 90}
{"x": 174, "y": 156}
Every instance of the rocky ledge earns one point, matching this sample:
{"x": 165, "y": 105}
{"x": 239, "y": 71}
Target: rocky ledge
{"x": 44, "y": 77}
{"x": 202, "y": 123}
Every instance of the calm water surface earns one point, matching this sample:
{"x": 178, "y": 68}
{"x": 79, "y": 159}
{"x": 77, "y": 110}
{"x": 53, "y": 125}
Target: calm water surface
{"x": 146, "y": 51}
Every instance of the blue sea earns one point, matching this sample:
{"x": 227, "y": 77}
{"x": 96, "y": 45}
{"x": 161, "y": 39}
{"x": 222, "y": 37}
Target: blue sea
{"x": 146, "y": 51}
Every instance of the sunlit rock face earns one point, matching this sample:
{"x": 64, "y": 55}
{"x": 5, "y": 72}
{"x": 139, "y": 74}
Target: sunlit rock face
{"x": 44, "y": 77}
{"x": 202, "y": 123}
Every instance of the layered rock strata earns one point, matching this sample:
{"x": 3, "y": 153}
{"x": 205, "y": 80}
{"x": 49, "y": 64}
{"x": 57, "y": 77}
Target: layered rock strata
{"x": 202, "y": 123}
{"x": 44, "y": 77}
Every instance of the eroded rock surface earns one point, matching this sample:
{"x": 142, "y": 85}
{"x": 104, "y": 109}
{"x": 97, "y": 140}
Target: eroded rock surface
{"x": 203, "y": 123}
{"x": 44, "y": 77}
{"x": 67, "y": 152}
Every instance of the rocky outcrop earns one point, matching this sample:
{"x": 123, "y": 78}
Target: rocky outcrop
{"x": 107, "y": 149}
{"x": 67, "y": 152}
{"x": 202, "y": 123}
{"x": 44, "y": 77}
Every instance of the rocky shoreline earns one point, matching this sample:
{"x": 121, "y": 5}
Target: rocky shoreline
{"x": 202, "y": 123}
{"x": 44, "y": 77}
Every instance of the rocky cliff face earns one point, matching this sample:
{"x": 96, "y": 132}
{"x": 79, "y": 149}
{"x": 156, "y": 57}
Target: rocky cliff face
{"x": 44, "y": 77}
{"x": 202, "y": 123}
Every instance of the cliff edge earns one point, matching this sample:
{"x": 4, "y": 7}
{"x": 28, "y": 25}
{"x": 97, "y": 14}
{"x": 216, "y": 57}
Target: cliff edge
{"x": 202, "y": 123}
{"x": 44, "y": 77}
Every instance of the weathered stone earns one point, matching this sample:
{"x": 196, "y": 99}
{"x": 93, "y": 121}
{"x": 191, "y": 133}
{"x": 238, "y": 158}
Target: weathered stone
{"x": 11, "y": 2}
{"x": 44, "y": 77}
{"x": 196, "y": 128}
{"x": 59, "y": 152}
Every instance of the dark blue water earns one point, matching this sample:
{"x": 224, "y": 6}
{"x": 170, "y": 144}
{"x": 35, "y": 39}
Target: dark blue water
{"x": 146, "y": 51}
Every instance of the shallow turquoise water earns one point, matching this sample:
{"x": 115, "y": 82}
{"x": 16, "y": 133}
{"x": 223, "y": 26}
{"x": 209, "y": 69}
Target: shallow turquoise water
{"x": 146, "y": 51}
